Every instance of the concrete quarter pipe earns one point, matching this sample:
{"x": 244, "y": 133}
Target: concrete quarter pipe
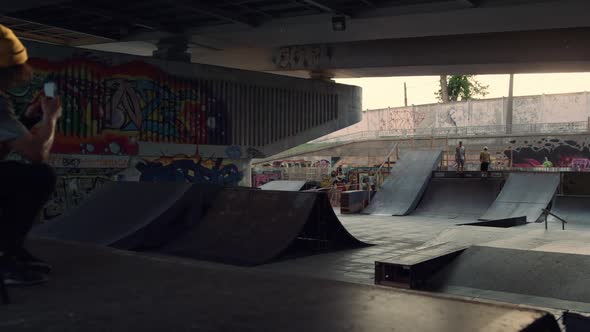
{"x": 131, "y": 215}
{"x": 251, "y": 227}
{"x": 402, "y": 190}
{"x": 524, "y": 194}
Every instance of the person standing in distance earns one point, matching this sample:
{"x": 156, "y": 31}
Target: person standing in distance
{"x": 485, "y": 159}
{"x": 460, "y": 157}
{"x": 26, "y": 186}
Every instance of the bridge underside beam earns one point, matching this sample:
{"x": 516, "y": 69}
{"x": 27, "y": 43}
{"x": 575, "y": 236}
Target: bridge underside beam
{"x": 492, "y": 53}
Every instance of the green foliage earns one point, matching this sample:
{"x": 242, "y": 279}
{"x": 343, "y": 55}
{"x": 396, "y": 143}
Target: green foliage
{"x": 463, "y": 87}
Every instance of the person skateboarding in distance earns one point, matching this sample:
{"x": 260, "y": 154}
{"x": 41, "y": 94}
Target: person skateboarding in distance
{"x": 460, "y": 157}
{"x": 25, "y": 186}
{"x": 485, "y": 159}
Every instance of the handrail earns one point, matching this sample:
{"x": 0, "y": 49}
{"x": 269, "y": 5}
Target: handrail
{"x": 394, "y": 148}
{"x": 378, "y": 173}
{"x": 546, "y": 212}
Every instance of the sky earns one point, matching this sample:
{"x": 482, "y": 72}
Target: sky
{"x": 382, "y": 92}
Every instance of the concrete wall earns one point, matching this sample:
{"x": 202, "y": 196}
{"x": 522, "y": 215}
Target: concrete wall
{"x": 563, "y": 150}
{"x": 115, "y": 101}
{"x": 143, "y": 119}
{"x": 571, "y": 107}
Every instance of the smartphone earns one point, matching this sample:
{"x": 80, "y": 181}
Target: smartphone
{"x": 50, "y": 89}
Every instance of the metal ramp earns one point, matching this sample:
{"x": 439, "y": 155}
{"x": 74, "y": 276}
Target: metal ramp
{"x": 252, "y": 227}
{"x": 524, "y": 194}
{"x": 403, "y": 188}
{"x": 462, "y": 198}
{"x": 132, "y": 215}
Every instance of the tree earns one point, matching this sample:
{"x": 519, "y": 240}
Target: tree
{"x": 460, "y": 87}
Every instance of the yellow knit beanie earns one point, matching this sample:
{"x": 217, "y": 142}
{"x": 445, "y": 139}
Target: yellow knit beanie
{"x": 12, "y": 51}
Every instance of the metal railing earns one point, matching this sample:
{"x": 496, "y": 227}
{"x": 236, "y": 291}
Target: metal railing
{"x": 547, "y": 213}
{"x": 525, "y": 128}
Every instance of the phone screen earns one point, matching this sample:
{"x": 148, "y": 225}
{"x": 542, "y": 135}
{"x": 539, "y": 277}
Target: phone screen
{"x": 49, "y": 89}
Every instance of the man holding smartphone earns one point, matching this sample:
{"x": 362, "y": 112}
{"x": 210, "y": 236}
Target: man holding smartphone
{"x": 25, "y": 187}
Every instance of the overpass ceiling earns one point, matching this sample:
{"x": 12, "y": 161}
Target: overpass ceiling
{"x": 112, "y": 20}
{"x": 260, "y": 35}
{"x": 84, "y": 22}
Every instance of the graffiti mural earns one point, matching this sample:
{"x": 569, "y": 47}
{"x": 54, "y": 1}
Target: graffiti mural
{"x": 108, "y": 109}
{"x": 401, "y": 119}
{"x": 182, "y": 168}
{"x": 562, "y": 152}
{"x": 306, "y": 56}
{"x": 70, "y": 191}
{"x": 265, "y": 177}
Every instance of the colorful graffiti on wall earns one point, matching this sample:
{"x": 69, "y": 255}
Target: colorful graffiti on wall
{"x": 573, "y": 152}
{"x": 108, "y": 109}
{"x": 182, "y": 168}
{"x": 70, "y": 191}
{"x": 265, "y": 177}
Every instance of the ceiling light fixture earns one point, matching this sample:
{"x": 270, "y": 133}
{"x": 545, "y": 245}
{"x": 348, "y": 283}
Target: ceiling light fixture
{"x": 338, "y": 23}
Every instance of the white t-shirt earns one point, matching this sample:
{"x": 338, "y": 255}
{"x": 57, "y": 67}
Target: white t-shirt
{"x": 460, "y": 152}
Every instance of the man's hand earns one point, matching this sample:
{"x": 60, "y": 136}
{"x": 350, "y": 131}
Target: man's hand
{"x": 34, "y": 111}
{"x": 51, "y": 108}
{"x": 36, "y": 146}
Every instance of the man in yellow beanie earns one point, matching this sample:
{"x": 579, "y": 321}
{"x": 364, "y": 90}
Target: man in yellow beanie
{"x": 25, "y": 187}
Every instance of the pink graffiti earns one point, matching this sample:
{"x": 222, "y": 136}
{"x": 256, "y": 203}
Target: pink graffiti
{"x": 580, "y": 163}
{"x": 260, "y": 179}
{"x": 322, "y": 163}
{"x": 529, "y": 162}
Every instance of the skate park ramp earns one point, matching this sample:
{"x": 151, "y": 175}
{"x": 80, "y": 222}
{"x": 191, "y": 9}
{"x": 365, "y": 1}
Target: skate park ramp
{"x": 517, "y": 275}
{"x": 132, "y": 215}
{"x": 573, "y": 209}
{"x": 283, "y": 185}
{"x": 524, "y": 194}
{"x": 253, "y": 227}
{"x": 458, "y": 198}
{"x": 402, "y": 190}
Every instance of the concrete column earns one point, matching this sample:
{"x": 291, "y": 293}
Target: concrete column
{"x": 510, "y": 105}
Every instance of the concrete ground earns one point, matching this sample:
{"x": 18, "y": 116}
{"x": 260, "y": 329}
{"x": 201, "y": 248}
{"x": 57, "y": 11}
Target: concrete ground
{"x": 103, "y": 289}
{"x": 393, "y": 237}
{"x": 397, "y": 237}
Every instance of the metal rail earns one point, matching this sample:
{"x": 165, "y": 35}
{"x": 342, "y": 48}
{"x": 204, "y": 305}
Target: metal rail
{"x": 546, "y": 213}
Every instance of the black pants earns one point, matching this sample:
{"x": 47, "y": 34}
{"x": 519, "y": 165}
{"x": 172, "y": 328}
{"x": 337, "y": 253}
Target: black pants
{"x": 485, "y": 166}
{"x": 24, "y": 190}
